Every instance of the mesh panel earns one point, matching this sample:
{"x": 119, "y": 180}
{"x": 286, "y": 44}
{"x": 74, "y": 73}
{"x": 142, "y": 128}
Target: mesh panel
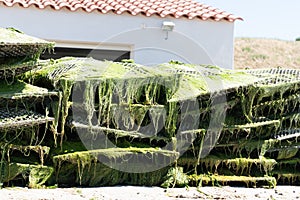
{"x": 205, "y": 80}
{"x": 192, "y": 73}
{"x": 133, "y": 67}
{"x": 275, "y": 75}
{"x": 15, "y": 118}
{"x": 103, "y": 68}
{"x": 15, "y": 50}
{"x": 287, "y": 134}
{"x": 14, "y": 71}
{"x": 27, "y": 99}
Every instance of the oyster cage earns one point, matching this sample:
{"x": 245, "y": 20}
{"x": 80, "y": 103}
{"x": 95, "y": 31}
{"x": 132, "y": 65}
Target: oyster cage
{"x": 14, "y": 43}
{"x": 18, "y": 52}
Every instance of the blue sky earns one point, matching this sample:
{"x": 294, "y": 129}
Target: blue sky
{"x": 263, "y": 18}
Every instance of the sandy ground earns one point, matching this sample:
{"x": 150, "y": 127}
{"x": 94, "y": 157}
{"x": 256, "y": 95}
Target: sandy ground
{"x": 151, "y": 193}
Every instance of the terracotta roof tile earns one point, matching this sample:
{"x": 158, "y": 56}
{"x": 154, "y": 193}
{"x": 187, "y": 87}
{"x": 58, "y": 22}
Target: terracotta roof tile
{"x": 175, "y": 8}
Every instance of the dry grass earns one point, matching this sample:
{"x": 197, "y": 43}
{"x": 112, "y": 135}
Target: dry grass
{"x": 266, "y": 53}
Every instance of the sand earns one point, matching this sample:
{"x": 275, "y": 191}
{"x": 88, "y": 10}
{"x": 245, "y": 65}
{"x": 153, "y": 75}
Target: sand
{"x": 151, "y": 193}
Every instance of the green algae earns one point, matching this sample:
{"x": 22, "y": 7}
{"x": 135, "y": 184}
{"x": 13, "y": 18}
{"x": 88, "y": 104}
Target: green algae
{"x": 22, "y": 128}
{"x": 91, "y": 160}
{"x": 275, "y": 123}
{"x": 19, "y": 89}
{"x": 105, "y": 78}
{"x": 279, "y": 107}
{"x": 246, "y": 120}
{"x": 64, "y": 105}
{"x": 175, "y": 178}
{"x": 13, "y": 36}
{"x": 217, "y": 180}
{"x": 111, "y": 154}
{"x": 288, "y": 178}
{"x": 202, "y": 80}
{"x": 37, "y": 175}
{"x": 99, "y": 174}
{"x": 290, "y": 121}
{"x": 104, "y": 96}
{"x": 100, "y": 134}
{"x": 42, "y": 151}
{"x": 287, "y": 153}
{"x": 237, "y": 166}
{"x": 13, "y": 43}
{"x": 133, "y": 116}
{"x": 136, "y": 102}
{"x": 19, "y": 52}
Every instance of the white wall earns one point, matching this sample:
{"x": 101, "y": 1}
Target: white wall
{"x": 192, "y": 41}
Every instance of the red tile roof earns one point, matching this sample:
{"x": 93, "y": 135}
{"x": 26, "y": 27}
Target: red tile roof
{"x": 190, "y": 9}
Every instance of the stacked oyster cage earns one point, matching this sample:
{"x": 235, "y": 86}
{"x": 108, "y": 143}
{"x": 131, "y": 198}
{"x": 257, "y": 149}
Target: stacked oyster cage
{"x": 277, "y": 98}
{"x": 105, "y": 108}
{"x": 139, "y": 125}
{"x": 173, "y": 124}
{"x": 257, "y": 144}
{"x": 22, "y": 124}
{"x": 226, "y": 145}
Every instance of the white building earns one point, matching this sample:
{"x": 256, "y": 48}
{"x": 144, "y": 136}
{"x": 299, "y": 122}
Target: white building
{"x": 115, "y": 29}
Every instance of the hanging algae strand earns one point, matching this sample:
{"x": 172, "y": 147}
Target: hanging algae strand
{"x": 65, "y": 105}
{"x": 56, "y": 108}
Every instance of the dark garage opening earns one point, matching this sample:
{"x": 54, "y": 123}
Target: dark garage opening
{"x": 99, "y": 54}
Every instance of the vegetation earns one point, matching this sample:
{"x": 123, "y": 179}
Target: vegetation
{"x": 253, "y": 53}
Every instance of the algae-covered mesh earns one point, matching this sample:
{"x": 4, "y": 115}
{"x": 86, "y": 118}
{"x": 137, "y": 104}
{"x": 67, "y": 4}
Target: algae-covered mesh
{"x": 19, "y": 52}
{"x": 20, "y": 103}
{"x": 10, "y": 118}
{"x": 276, "y": 75}
{"x": 14, "y": 43}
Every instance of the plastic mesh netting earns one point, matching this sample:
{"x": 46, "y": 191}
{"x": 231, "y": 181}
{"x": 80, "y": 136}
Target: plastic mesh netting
{"x": 17, "y": 118}
{"x": 10, "y": 72}
{"x": 276, "y": 75}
